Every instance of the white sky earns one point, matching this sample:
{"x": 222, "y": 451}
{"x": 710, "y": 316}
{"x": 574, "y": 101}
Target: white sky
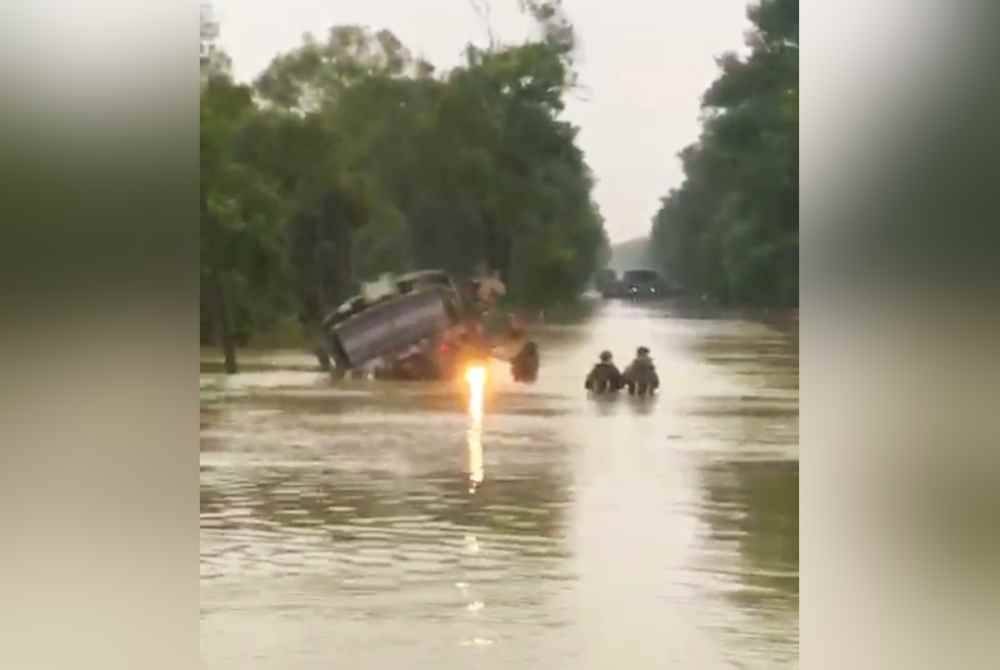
{"x": 643, "y": 64}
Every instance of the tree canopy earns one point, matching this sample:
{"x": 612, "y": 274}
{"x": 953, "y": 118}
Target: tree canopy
{"x": 349, "y": 157}
{"x": 731, "y": 229}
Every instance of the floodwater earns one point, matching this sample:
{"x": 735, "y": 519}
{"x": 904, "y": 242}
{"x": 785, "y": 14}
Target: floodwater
{"x": 363, "y": 524}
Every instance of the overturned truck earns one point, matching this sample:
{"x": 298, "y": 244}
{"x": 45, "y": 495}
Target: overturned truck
{"x": 416, "y": 326}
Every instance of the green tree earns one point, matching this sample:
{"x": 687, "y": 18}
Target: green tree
{"x": 242, "y": 241}
{"x": 731, "y": 229}
{"x": 300, "y": 153}
{"x": 349, "y": 158}
{"x": 327, "y": 102}
{"x": 458, "y": 169}
{"x": 529, "y": 185}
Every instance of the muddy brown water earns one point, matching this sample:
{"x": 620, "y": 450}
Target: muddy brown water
{"x": 367, "y": 524}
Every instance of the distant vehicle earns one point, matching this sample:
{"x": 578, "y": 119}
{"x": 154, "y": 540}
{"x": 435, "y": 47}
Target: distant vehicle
{"x": 641, "y": 284}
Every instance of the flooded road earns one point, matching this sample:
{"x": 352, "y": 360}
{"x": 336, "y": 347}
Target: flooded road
{"x": 385, "y": 525}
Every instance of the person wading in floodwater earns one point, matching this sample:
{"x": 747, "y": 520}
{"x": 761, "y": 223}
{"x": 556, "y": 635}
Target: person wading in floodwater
{"x": 605, "y": 377}
{"x": 524, "y": 366}
{"x": 640, "y": 376}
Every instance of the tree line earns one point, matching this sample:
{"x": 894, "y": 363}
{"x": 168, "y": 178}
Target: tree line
{"x": 349, "y": 157}
{"x": 730, "y": 231}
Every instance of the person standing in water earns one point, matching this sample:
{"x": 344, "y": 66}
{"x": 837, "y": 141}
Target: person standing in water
{"x": 604, "y": 377}
{"x": 640, "y": 376}
{"x": 524, "y": 366}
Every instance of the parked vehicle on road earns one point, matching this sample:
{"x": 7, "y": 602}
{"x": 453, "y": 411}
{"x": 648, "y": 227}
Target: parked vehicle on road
{"x": 640, "y": 284}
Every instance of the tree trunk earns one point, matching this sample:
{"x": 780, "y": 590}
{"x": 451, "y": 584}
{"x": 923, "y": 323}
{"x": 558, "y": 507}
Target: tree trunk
{"x": 330, "y": 274}
{"x": 506, "y": 256}
{"x": 314, "y": 334}
{"x": 229, "y": 352}
{"x": 223, "y": 329}
{"x": 496, "y": 250}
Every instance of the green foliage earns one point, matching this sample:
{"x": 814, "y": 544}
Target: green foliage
{"x": 354, "y": 158}
{"x": 242, "y": 238}
{"x": 731, "y": 229}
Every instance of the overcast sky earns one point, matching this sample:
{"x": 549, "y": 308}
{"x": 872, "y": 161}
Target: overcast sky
{"x": 643, "y": 66}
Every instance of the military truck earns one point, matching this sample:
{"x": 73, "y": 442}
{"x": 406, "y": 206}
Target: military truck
{"x": 421, "y": 325}
{"x": 418, "y": 306}
{"x": 645, "y": 284}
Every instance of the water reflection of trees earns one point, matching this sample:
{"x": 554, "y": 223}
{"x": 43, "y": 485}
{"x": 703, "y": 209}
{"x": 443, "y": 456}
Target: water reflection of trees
{"x": 403, "y": 478}
{"x": 757, "y": 504}
{"x": 772, "y": 358}
{"x": 764, "y": 492}
{"x": 750, "y": 506}
{"x": 527, "y": 504}
{"x": 752, "y": 514}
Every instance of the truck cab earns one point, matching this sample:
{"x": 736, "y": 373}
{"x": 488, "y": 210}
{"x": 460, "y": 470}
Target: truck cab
{"x": 644, "y": 284}
{"x": 418, "y": 313}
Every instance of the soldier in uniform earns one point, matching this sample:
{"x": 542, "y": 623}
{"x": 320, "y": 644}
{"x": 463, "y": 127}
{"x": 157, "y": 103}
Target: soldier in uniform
{"x": 604, "y": 377}
{"x": 524, "y": 366}
{"x": 640, "y": 376}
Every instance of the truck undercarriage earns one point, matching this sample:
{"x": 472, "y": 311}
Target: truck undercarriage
{"x": 419, "y": 326}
